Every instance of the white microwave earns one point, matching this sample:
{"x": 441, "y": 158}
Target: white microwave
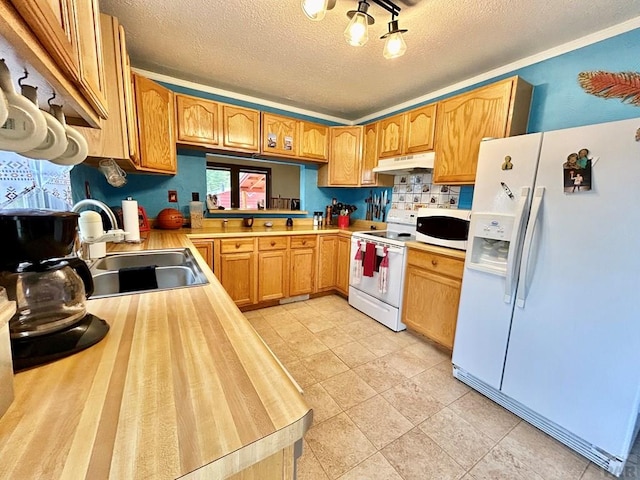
{"x": 444, "y": 227}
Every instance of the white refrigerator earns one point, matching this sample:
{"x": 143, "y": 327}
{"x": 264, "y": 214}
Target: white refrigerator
{"x": 549, "y": 323}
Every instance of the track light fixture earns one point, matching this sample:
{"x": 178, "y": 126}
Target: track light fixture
{"x": 357, "y": 31}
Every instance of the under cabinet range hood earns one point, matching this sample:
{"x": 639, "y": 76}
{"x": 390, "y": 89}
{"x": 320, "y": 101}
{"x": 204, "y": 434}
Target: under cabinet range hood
{"x": 406, "y": 164}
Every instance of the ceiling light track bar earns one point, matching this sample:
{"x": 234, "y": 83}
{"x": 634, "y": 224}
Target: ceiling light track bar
{"x": 388, "y": 5}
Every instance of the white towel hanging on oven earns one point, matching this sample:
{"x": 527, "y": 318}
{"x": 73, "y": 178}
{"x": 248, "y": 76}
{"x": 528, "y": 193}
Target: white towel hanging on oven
{"x": 383, "y": 271}
{"x": 357, "y": 266}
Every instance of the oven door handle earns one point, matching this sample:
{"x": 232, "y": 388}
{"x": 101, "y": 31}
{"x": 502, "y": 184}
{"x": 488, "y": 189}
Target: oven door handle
{"x": 364, "y": 242}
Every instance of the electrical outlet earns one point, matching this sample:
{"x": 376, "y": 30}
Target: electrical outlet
{"x": 173, "y": 196}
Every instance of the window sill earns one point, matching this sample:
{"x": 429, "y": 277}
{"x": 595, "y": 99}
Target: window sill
{"x": 269, "y": 211}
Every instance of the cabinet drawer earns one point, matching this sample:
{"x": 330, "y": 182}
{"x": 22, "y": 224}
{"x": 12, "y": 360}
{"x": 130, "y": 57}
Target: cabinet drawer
{"x": 303, "y": 241}
{"x": 272, "y": 243}
{"x": 236, "y": 245}
{"x": 451, "y": 267}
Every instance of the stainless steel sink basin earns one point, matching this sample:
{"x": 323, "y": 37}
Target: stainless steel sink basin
{"x": 159, "y": 258}
{"x": 176, "y": 268}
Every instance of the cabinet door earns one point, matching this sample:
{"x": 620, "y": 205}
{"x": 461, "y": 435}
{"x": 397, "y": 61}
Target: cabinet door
{"x": 420, "y": 128}
{"x": 370, "y": 154}
{"x": 272, "y": 275}
{"x": 342, "y": 268}
{"x": 431, "y": 305}
{"x": 301, "y": 271}
{"x": 327, "y": 262}
{"x": 313, "y": 141}
{"x": 237, "y": 276}
{"x": 155, "y": 126}
{"x": 205, "y": 248}
{"x": 462, "y": 123}
{"x": 91, "y": 61}
{"x": 197, "y": 121}
{"x": 129, "y": 100}
{"x": 345, "y": 156}
{"x": 54, "y": 23}
{"x": 240, "y": 129}
{"x": 279, "y": 135}
{"x": 390, "y": 136}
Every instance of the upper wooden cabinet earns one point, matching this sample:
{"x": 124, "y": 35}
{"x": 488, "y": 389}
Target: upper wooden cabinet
{"x": 198, "y": 121}
{"x": 345, "y": 157}
{"x": 313, "y": 141}
{"x": 240, "y": 129}
{"x": 370, "y": 159}
{"x": 70, "y": 32}
{"x": 407, "y": 133}
{"x": 155, "y": 110}
{"x": 497, "y": 110}
{"x": 279, "y": 135}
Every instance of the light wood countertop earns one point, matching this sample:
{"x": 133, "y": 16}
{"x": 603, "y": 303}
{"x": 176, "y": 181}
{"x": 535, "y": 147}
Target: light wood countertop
{"x": 181, "y": 384}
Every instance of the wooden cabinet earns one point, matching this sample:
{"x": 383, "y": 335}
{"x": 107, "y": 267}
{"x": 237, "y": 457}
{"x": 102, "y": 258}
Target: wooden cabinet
{"x": 197, "y": 121}
{"x": 408, "y": 133}
{"x": 370, "y": 159}
{"x": 155, "y": 110}
{"x": 313, "y": 141}
{"x": 327, "y": 262}
{"x": 302, "y": 265}
{"x": 129, "y": 100}
{"x": 345, "y": 157}
{"x": 205, "y": 249}
{"x": 279, "y": 135}
{"x": 237, "y": 269}
{"x": 273, "y": 262}
{"x": 343, "y": 264}
{"x": 497, "y": 110}
{"x": 240, "y": 129}
{"x": 112, "y": 139}
{"x": 432, "y": 293}
{"x": 69, "y": 30}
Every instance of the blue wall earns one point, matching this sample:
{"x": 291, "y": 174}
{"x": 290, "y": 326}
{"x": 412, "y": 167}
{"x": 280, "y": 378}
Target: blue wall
{"x": 558, "y": 102}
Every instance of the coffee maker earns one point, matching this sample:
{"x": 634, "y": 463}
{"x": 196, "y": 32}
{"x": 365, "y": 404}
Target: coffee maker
{"x": 49, "y": 284}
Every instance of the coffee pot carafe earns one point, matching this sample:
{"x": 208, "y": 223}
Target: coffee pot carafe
{"x": 49, "y": 285}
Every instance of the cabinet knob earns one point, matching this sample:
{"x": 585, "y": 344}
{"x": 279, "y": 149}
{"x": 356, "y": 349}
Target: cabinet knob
{"x": 273, "y": 244}
{"x": 304, "y": 242}
{"x": 238, "y": 245}
{"x": 434, "y": 262}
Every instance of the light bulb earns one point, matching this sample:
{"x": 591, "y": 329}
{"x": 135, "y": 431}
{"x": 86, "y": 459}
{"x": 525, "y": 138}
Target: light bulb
{"x": 314, "y": 9}
{"x": 357, "y": 32}
{"x": 394, "y": 46}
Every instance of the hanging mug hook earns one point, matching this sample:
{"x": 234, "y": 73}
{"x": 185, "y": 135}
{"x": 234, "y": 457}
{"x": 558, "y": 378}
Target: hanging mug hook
{"x": 23, "y": 78}
{"x": 53, "y": 96}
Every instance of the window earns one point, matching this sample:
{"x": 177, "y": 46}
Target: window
{"x": 236, "y": 186}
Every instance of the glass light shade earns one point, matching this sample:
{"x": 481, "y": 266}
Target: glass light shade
{"x": 357, "y": 32}
{"x": 394, "y": 46}
{"x": 315, "y": 9}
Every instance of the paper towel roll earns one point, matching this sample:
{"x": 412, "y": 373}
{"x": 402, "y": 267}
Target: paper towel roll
{"x": 130, "y": 220}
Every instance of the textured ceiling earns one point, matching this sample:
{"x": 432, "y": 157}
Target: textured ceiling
{"x": 270, "y": 50}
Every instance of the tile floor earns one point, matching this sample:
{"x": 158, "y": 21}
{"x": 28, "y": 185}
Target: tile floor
{"x": 387, "y": 407}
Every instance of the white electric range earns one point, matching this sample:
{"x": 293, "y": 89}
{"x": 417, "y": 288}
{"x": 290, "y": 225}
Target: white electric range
{"x": 365, "y": 293}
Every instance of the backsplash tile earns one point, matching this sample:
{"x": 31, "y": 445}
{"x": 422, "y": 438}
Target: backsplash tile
{"x": 411, "y": 192}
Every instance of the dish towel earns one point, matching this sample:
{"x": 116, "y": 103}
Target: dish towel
{"x": 357, "y": 266}
{"x": 383, "y": 273}
{"x": 369, "y": 260}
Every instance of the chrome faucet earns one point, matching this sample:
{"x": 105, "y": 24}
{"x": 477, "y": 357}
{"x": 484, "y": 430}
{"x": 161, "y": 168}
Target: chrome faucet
{"x": 114, "y": 234}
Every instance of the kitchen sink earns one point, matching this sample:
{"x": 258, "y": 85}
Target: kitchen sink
{"x": 159, "y": 258}
{"x": 169, "y": 268}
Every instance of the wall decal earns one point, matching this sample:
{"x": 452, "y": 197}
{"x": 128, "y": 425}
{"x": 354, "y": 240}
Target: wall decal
{"x": 622, "y": 85}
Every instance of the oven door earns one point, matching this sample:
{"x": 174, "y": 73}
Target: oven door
{"x": 395, "y": 273}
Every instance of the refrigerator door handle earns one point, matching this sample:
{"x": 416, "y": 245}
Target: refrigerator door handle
{"x": 528, "y": 241}
{"x": 516, "y": 236}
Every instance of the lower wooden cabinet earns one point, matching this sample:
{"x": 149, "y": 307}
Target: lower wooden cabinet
{"x": 236, "y": 270}
{"x": 342, "y": 267}
{"x": 431, "y": 295}
{"x": 302, "y": 265}
{"x": 205, "y": 248}
{"x": 273, "y": 268}
{"x": 327, "y": 262}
